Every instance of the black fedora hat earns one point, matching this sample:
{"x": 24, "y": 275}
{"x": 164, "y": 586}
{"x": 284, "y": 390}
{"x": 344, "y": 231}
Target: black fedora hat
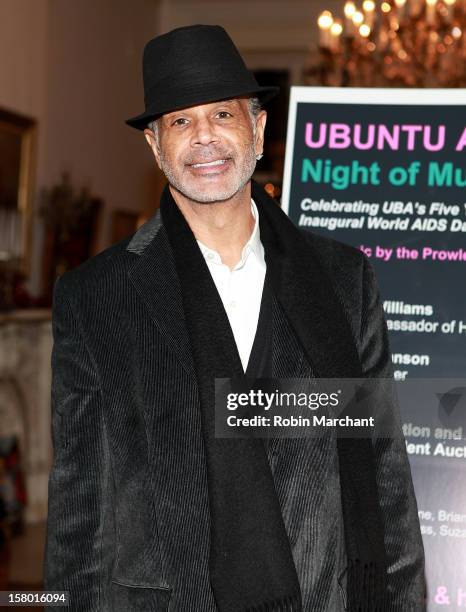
{"x": 193, "y": 65}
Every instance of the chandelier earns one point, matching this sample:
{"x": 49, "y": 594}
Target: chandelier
{"x": 394, "y": 43}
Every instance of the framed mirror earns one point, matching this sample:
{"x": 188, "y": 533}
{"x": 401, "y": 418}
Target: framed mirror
{"x": 17, "y": 169}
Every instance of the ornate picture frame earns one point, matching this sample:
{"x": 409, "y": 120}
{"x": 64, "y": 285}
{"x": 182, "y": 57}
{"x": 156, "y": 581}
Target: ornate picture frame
{"x": 18, "y": 136}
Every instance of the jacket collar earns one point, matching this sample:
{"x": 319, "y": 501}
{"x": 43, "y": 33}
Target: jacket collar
{"x": 145, "y": 234}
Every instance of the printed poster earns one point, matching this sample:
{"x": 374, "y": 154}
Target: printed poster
{"x": 385, "y": 171}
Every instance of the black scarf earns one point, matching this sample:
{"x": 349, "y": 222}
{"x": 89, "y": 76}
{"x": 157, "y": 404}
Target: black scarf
{"x": 251, "y": 564}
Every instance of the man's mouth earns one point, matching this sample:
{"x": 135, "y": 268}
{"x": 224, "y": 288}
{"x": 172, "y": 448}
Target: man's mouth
{"x": 217, "y": 162}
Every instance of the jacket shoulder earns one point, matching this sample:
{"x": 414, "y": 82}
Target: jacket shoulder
{"x": 345, "y": 268}
{"x": 334, "y": 254}
{"x": 108, "y": 263}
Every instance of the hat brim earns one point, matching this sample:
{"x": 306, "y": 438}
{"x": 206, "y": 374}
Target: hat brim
{"x": 140, "y": 121}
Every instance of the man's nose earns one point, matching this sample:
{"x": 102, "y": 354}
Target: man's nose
{"x": 203, "y": 133}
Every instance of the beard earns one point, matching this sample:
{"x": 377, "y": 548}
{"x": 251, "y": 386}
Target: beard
{"x": 244, "y": 165}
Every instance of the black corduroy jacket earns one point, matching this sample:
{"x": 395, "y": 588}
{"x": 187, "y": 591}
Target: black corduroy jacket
{"x": 128, "y": 522}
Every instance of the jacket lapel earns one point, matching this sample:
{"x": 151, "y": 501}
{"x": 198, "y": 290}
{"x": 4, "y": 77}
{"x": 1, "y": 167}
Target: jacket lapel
{"x": 304, "y": 289}
{"x": 154, "y": 278}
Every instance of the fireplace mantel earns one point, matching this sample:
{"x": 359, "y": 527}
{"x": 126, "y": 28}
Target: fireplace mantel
{"x": 25, "y": 383}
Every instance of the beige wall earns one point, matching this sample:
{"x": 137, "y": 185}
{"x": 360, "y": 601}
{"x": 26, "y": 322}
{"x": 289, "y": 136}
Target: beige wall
{"x": 23, "y": 77}
{"x": 253, "y": 24}
{"x": 270, "y": 33}
{"x": 23, "y": 48}
{"x": 75, "y": 65}
{"x": 95, "y": 83}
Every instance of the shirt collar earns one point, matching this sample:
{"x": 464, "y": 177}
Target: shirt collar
{"x": 253, "y": 245}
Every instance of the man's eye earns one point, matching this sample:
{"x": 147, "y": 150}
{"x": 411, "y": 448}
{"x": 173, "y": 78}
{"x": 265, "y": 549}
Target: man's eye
{"x": 223, "y": 114}
{"x": 179, "y": 121}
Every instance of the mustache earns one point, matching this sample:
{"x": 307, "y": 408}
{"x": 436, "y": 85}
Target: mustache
{"x": 207, "y": 154}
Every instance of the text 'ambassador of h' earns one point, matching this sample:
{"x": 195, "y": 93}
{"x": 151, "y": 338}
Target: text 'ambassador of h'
{"x": 148, "y": 510}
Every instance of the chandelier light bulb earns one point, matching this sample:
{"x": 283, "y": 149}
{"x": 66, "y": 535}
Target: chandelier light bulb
{"x": 350, "y": 9}
{"x": 431, "y": 6}
{"x": 336, "y": 28}
{"x": 369, "y": 11}
{"x": 368, "y": 5}
{"x": 364, "y": 30}
{"x": 358, "y": 18}
{"x": 325, "y": 20}
{"x": 386, "y": 8}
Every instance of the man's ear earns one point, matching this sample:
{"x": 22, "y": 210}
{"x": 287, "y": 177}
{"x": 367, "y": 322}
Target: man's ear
{"x": 152, "y": 142}
{"x": 261, "y": 120}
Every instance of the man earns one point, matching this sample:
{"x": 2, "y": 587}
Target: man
{"x": 148, "y": 509}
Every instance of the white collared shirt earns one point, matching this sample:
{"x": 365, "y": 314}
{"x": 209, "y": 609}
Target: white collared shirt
{"x": 241, "y": 288}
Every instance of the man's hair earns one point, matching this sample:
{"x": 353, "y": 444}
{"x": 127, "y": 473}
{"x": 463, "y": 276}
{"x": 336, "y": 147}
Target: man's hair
{"x": 254, "y": 107}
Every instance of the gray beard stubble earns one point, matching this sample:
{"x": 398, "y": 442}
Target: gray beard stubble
{"x": 246, "y": 171}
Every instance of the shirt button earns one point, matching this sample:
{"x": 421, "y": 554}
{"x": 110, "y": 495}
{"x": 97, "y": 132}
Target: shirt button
{"x": 232, "y": 304}
{"x": 210, "y": 255}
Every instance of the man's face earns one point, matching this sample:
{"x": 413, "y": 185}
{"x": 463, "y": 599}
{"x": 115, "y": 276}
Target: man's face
{"x": 208, "y": 152}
